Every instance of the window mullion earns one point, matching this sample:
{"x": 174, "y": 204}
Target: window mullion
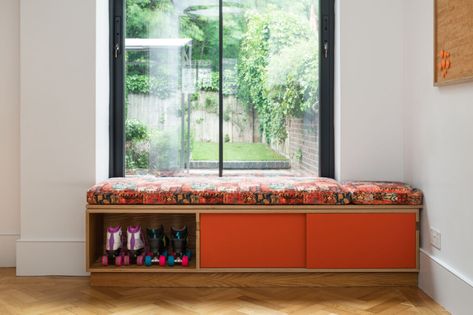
{"x": 220, "y": 89}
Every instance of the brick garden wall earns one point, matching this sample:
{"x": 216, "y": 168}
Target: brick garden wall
{"x": 302, "y": 145}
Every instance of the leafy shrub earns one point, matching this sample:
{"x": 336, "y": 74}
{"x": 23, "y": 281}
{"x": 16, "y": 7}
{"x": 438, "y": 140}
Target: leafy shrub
{"x": 227, "y": 138}
{"x": 136, "y": 159}
{"x": 211, "y": 105}
{"x": 226, "y": 116}
{"x": 194, "y": 97}
{"x": 135, "y": 131}
{"x": 212, "y": 85}
{"x": 149, "y": 85}
{"x": 298, "y": 155}
{"x": 136, "y": 136}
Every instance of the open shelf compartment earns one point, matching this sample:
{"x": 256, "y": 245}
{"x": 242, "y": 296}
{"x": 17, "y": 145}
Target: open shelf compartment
{"x": 97, "y": 224}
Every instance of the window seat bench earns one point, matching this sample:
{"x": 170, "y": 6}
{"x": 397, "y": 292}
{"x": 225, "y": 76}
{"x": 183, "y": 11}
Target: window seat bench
{"x": 263, "y": 231}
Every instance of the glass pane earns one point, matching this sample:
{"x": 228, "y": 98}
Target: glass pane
{"x": 271, "y": 88}
{"x": 171, "y": 93}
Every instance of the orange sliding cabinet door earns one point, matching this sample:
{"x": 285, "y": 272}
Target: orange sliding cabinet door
{"x": 252, "y": 240}
{"x": 361, "y": 240}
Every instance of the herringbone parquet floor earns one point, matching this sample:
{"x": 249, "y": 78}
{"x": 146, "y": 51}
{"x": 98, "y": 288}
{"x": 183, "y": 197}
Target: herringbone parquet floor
{"x": 69, "y": 295}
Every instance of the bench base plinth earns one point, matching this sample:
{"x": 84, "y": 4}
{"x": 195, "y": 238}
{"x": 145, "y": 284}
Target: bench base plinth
{"x": 253, "y": 280}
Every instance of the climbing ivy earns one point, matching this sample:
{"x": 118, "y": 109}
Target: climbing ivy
{"x": 253, "y": 60}
{"x": 277, "y": 69}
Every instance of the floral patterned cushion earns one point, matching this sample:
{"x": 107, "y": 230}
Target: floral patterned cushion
{"x": 278, "y": 190}
{"x": 382, "y": 193}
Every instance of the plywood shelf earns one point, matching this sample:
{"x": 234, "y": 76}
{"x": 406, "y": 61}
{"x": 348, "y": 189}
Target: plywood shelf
{"x": 97, "y": 224}
{"x": 97, "y": 267}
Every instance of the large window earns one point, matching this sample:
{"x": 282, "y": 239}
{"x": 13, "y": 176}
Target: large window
{"x": 212, "y": 87}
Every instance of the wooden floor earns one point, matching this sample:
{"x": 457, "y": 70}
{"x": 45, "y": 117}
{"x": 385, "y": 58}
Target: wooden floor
{"x": 73, "y": 295}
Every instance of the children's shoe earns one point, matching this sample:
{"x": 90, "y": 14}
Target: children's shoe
{"x": 113, "y": 244}
{"x": 180, "y": 253}
{"x": 135, "y": 244}
{"x": 158, "y": 243}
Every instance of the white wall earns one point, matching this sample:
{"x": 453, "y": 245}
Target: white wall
{"x": 62, "y": 147}
{"x": 369, "y": 89}
{"x": 439, "y": 159}
{"x": 9, "y": 130}
{"x": 102, "y": 90}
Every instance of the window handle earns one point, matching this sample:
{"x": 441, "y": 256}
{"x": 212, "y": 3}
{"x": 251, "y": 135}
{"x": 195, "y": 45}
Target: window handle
{"x": 117, "y": 37}
{"x": 326, "y": 49}
{"x": 116, "y": 50}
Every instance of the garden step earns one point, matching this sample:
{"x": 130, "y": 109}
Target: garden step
{"x": 241, "y": 165}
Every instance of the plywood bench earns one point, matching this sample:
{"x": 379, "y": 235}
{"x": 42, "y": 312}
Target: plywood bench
{"x": 263, "y": 231}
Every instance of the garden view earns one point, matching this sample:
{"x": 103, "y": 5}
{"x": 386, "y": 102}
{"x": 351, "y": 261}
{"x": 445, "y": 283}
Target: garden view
{"x": 270, "y": 86}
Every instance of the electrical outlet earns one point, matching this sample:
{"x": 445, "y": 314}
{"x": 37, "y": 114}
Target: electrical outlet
{"x": 435, "y": 238}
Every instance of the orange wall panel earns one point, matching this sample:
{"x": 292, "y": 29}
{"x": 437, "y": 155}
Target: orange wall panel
{"x": 252, "y": 240}
{"x": 361, "y": 240}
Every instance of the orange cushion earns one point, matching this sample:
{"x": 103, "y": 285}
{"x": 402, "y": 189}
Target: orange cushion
{"x": 271, "y": 190}
{"x": 382, "y": 193}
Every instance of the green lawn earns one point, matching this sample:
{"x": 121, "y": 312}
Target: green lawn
{"x": 208, "y": 151}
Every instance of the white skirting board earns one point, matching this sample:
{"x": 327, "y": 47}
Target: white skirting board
{"x": 8, "y": 248}
{"x": 50, "y": 257}
{"x": 445, "y": 285}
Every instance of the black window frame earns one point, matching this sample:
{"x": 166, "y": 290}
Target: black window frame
{"x": 326, "y": 85}
{"x": 117, "y": 89}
